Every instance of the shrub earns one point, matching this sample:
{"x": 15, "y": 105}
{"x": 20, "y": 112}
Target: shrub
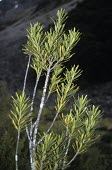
{"x": 48, "y": 51}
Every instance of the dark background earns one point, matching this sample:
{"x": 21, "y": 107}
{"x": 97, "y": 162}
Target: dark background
{"x": 93, "y": 52}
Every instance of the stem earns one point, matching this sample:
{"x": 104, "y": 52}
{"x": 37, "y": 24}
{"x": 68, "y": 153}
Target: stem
{"x": 31, "y": 155}
{"x": 48, "y": 128}
{"x": 32, "y": 103}
{"x": 41, "y": 106}
{"x": 27, "y": 132}
{"x": 48, "y": 96}
{"x": 52, "y": 68}
{"x": 53, "y": 122}
{"x": 26, "y": 74}
{"x": 31, "y": 146}
{"x": 64, "y": 161}
{"x": 17, "y": 144}
{"x": 73, "y": 158}
{"x": 67, "y": 147}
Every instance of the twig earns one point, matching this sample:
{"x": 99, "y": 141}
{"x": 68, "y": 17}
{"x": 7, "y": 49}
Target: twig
{"x": 48, "y": 128}
{"x": 27, "y": 132}
{"x": 73, "y": 158}
{"x": 67, "y": 147}
{"x": 52, "y": 68}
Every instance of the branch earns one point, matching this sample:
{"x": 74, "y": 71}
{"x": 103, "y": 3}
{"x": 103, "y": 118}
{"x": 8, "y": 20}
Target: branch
{"x": 32, "y": 103}
{"x": 51, "y": 89}
{"x": 48, "y": 128}
{"x": 27, "y": 132}
{"x": 73, "y": 158}
{"x": 41, "y": 106}
{"x": 26, "y": 74}
{"x": 67, "y": 148}
{"x": 17, "y": 144}
{"x": 55, "y": 64}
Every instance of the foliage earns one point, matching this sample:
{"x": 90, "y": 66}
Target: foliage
{"x": 48, "y": 51}
{"x": 99, "y": 156}
{"x": 20, "y": 110}
{"x": 52, "y": 146}
{"x": 8, "y": 134}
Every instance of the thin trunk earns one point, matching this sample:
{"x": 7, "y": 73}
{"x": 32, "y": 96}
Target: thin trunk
{"x": 35, "y": 125}
{"x": 30, "y": 149}
{"x": 17, "y": 144}
{"x": 31, "y": 156}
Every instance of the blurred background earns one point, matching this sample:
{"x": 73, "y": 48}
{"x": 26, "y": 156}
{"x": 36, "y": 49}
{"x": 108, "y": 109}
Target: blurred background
{"x": 93, "y": 18}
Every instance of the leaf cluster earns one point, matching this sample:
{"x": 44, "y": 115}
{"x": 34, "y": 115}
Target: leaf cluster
{"x": 50, "y": 152}
{"x": 67, "y": 89}
{"x": 48, "y": 48}
{"x": 20, "y": 113}
{"x": 81, "y": 123}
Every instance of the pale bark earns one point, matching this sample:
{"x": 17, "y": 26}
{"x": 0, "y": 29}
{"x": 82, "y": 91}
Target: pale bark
{"x": 41, "y": 106}
{"x": 26, "y": 73}
{"x": 32, "y": 102}
{"x": 36, "y": 124}
{"x": 66, "y": 147}
{"x": 32, "y": 161}
{"x": 17, "y": 144}
{"x": 31, "y": 149}
{"x": 73, "y": 158}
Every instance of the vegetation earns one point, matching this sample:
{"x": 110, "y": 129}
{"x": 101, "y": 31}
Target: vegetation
{"x": 90, "y": 50}
{"x": 48, "y": 149}
{"x": 48, "y": 51}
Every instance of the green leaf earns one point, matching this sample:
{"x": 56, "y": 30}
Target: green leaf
{"x": 20, "y": 113}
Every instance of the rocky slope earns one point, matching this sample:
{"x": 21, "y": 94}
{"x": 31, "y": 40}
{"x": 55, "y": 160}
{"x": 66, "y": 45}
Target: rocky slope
{"x": 13, "y": 36}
